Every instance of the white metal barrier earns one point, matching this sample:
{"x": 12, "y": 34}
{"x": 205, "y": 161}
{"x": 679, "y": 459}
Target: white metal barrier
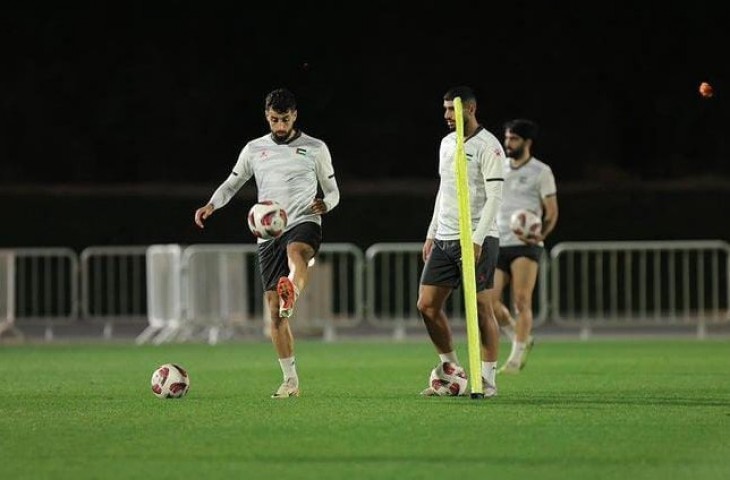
{"x": 7, "y": 292}
{"x": 212, "y": 290}
{"x": 219, "y": 291}
{"x": 393, "y": 274}
{"x": 641, "y": 283}
{"x": 113, "y": 285}
{"x": 335, "y": 296}
{"x": 393, "y": 278}
{"x": 40, "y": 287}
{"x": 165, "y": 302}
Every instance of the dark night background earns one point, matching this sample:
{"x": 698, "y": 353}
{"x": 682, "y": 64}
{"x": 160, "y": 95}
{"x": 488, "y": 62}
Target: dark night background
{"x": 118, "y": 120}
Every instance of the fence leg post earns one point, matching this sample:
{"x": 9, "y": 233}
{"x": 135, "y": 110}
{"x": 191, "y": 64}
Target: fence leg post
{"x": 48, "y": 334}
{"x": 108, "y": 330}
{"x": 399, "y": 334}
{"x": 213, "y": 335}
{"x": 701, "y": 329}
{"x": 330, "y": 335}
{"x": 585, "y": 330}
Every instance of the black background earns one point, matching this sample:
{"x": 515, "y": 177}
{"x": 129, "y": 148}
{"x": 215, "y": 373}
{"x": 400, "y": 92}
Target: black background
{"x": 170, "y": 91}
{"x": 118, "y": 120}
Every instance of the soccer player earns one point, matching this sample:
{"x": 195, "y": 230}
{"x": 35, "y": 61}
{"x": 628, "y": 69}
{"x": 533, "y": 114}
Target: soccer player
{"x": 288, "y": 165}
{"x": 528, "y": 184}
{"x": 442, "y": 251}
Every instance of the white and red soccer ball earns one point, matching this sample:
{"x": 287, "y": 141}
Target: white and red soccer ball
{"x": 525, "y": 223}
{"x": 267, "y": 219}
{"x": 448, "y": 379}
{"x": 170, "y": 381}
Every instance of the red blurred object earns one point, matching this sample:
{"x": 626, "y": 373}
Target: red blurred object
{"x": 706, "y": 90}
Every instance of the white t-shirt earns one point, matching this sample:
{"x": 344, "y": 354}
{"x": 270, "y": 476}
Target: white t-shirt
{"x": 484, "y": 158}
{"x": 524, "y": 187}
{"x": 287, "y": 173}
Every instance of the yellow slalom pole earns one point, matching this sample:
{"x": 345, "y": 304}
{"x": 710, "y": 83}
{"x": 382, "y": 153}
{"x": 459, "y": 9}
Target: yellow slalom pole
{"x": 468, "y": 263}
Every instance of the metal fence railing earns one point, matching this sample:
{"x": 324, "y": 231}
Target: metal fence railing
{"x": 211, "y": 291}
{"x": 113, "y": 285}
{"x": 40, "y": 287}
{"x": 597, "y": 284}
{"x": 393, "y": 274}
{"x": 219, "y": 291}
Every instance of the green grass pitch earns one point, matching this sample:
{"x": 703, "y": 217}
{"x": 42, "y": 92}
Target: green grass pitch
{"x": 651, "y": 409}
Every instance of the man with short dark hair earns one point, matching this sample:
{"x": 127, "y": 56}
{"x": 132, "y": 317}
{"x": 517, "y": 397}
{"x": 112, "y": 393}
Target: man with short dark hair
{"x": 442, "y": 272}
{"x": 528, "y": 184}
{"x": 288, "y": 166}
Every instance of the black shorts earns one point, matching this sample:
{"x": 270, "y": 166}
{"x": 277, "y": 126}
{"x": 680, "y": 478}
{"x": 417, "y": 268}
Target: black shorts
{"x": 443, "y": 267}
{"x": 507, "y": 255}
{"x": 273, "y": 261}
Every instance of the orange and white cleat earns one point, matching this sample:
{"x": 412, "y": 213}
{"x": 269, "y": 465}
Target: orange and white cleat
{"x": 287, "y": 292}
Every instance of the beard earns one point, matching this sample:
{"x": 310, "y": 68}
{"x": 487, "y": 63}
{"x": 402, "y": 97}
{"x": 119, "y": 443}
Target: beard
{"x": 282, "y": 135}
{"x": 514, "y": 153}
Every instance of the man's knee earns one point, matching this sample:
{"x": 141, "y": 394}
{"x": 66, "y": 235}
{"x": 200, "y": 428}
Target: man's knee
{"x": 427, "y": 307}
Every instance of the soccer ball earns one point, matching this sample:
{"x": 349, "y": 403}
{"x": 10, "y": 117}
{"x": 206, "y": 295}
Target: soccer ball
{"x": 170, "y": 381}
{"x": 448, "y": 379}
{"x": 525, "y": 223}
{"x": 267, "y": 219}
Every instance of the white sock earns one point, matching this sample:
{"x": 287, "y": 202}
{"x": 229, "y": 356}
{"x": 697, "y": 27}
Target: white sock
{"x": 489, "y": 371}
{"x": 449, "y": 357}
{"x": 509, "y": 331}
{"x": 289, "y": 369}
{"x": 518, "y": 348}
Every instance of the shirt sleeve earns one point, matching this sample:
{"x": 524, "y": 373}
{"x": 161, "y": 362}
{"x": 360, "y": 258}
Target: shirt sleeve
{"x": 326, "y": 178}
{"x": 433, "y": 226}
{"x": 547, "y": 183}
{"x": 493, "y": 174}
{"x": 241, "y": 173}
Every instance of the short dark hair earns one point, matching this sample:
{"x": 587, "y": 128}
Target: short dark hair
{"x": 465, "y": 93}
{"x": 281, "y": 100}
{"x": 526, "y": 129}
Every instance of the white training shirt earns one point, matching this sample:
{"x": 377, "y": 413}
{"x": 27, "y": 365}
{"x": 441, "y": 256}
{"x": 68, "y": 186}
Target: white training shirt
{"x": 524, "y": 187}
{"x": 484, "y": 158}
{"x": 287, "y": 173}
